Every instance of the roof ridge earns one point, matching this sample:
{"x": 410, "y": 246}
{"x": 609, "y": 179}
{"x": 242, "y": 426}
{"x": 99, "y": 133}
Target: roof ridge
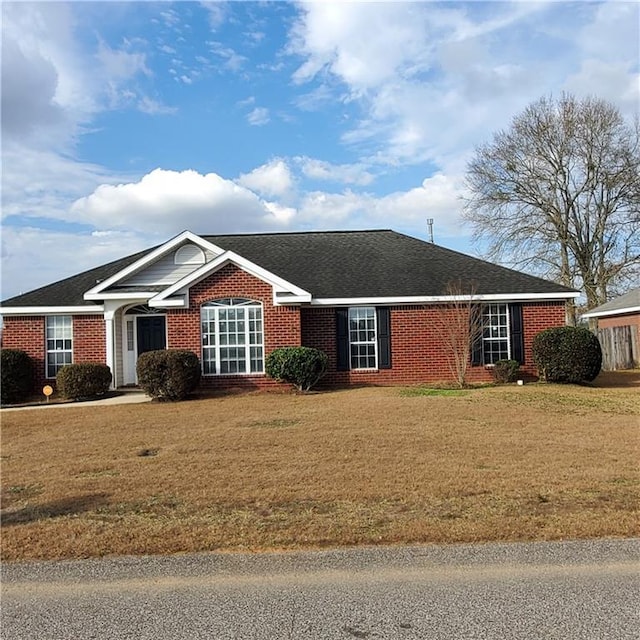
{"x": 294, "y": 233}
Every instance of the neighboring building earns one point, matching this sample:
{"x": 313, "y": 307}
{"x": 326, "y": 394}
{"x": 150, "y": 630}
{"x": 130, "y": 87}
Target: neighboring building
{"x": 372, "y": 300}
{"x": 619, "y": 330}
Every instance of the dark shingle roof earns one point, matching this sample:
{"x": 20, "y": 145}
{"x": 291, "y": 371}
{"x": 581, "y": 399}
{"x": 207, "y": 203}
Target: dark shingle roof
{"x": 353, "y": 264}
{"x": 335, "y": 264}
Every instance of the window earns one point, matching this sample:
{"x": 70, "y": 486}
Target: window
{"x": 362, "y": 337}
{"x": 495, "y": 333}
{"x": 59, "y": 343}
{"x": 232, "y": 337}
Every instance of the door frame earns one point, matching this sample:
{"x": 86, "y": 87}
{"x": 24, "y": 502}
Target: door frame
{"x": 130, "y": 356}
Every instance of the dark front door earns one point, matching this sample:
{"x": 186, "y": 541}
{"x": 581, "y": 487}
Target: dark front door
{"x": 151, "y": 333}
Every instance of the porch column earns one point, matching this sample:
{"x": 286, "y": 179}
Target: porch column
{"x": 110, "y": 339}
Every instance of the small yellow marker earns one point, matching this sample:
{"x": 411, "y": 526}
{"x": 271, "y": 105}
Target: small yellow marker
{"x": 47, "y": 390}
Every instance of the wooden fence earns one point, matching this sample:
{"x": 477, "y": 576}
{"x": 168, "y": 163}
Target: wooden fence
{"x": 620, "y": 347}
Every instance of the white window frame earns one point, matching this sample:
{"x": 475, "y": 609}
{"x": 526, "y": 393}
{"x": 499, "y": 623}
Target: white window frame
{"x": 360, "y": 314}
{"x": 494, "y": 332}
{"x": 58, "y": 343}
{"x": 213, "y": 315}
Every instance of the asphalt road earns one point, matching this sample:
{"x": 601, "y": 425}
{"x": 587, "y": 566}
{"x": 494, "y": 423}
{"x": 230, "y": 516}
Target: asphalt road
{"x": 568, "y": 591}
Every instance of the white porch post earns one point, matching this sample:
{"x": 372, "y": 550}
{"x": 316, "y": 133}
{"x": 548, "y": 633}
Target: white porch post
{"x": 110, "y": 339}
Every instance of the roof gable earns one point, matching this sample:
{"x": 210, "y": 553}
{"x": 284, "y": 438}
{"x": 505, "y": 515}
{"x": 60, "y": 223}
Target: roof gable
{"x": 283, "y": 292}
{"x": 132, "y": 276}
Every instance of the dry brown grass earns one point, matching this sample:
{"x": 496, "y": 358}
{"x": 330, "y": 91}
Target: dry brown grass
{"x": 361, "y": 466}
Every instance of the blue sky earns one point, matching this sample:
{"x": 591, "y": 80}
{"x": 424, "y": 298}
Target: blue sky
{"x": 126, "y": 123}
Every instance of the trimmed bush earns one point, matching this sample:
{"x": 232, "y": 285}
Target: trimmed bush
{"x": 168, "y": 374}
{"x": 300, "y": 366}
{"x": 17, "y": 376}
{"x": 83, "y": 380}
{"x": 567, "y": 354}
{"x": 505, "y": 371}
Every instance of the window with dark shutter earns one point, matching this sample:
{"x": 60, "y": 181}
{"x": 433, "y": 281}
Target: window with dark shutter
{"x": 342, "y": 339}
{"x": 516, "y": 332}
{"x": 384, "y": 337}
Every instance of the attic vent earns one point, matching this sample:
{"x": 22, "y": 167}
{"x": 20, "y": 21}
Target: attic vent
{"x": 189, "y": 254}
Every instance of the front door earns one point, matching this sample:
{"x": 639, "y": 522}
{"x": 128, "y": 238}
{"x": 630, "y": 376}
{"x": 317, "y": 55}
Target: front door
{"x": 151, "y": 333}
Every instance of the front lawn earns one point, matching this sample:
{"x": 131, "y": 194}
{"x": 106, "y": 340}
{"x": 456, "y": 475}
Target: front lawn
{"x": 353, "y": 467}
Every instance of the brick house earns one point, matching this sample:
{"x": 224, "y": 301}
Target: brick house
{"x": 618, "y": 327}
{"x": 372, "y": 300}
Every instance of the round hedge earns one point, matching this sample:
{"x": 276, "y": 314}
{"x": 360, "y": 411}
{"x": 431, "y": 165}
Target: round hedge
{"x": 567, "y": 354}
{"x": 17, "y": 376}
{"x": 301, "y": 366}
{"x": 170, "y": 374}
{"x": 83, "y": 380}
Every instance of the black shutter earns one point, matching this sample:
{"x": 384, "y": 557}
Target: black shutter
{"x": 342, "y": 339}
{"x": 384, "y": 337}
{"x": 517, "y": 333}
{"x": 477, "y": 333}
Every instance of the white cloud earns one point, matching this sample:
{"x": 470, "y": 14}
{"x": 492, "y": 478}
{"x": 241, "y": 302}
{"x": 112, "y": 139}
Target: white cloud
{"x": 438, "y": 197}
{"x": 42, "y": 183}
{"x": 273, "y": 179}
{"x": 355, "y": 174}
{"x": 33, "y": 257}
{"x": 438, "y": 79}
{"x": 258, "y": 117}
{"x": 363, "y": 44}
{"x": 170, "y": 201}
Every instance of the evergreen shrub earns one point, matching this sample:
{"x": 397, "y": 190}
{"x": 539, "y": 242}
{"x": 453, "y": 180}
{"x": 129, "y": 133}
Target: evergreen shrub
{"x": 505, "y": 371}
{"x": 567, "y": 354}
{"x": 17, "y": 376}
{"x": 170, "y": 374}
{"x": 83, "y": 380}
{"x": 300, "y": 366}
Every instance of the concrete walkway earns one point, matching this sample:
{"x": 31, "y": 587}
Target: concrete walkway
{"x": 130, "y": 397}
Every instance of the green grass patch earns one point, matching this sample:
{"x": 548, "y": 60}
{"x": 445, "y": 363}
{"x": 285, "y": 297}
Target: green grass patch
{"x": 412, "y": 392}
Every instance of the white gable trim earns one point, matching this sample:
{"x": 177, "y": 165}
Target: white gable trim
{"x": 51, "y": 311}
{"x": 283, "y": 292}
{"x": 499, "y": 297}
{"x": 96, "y": 292}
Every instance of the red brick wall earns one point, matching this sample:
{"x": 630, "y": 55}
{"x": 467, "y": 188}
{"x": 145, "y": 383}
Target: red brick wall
{"x": 418, "y": 351}
{"x": 281, "y": 324}
{"x": 89, "y": 339}
{"x": 27, "y": 333}
{"x": 629, "y": 319}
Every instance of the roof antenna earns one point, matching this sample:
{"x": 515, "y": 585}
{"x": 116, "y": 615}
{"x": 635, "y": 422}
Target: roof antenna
{"x": 430, "y": 225}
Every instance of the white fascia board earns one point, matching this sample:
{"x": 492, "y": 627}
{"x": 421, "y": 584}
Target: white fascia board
{"x": 180, "y": 303}
{"x": 614, "y": 312}
{"x": 50, "y": 311}
{"x": 148, "y": 259}
{"x": 501, "y": 297}
{"x": 229, "y": 257}
{"x": 131, "y": 295}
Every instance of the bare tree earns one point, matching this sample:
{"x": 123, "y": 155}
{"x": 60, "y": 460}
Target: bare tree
{"x": 460, "y": 325}
{"x": 559, "y": 192}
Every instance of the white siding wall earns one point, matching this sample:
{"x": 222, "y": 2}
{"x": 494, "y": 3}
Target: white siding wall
{"x": 164, "y": 271}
